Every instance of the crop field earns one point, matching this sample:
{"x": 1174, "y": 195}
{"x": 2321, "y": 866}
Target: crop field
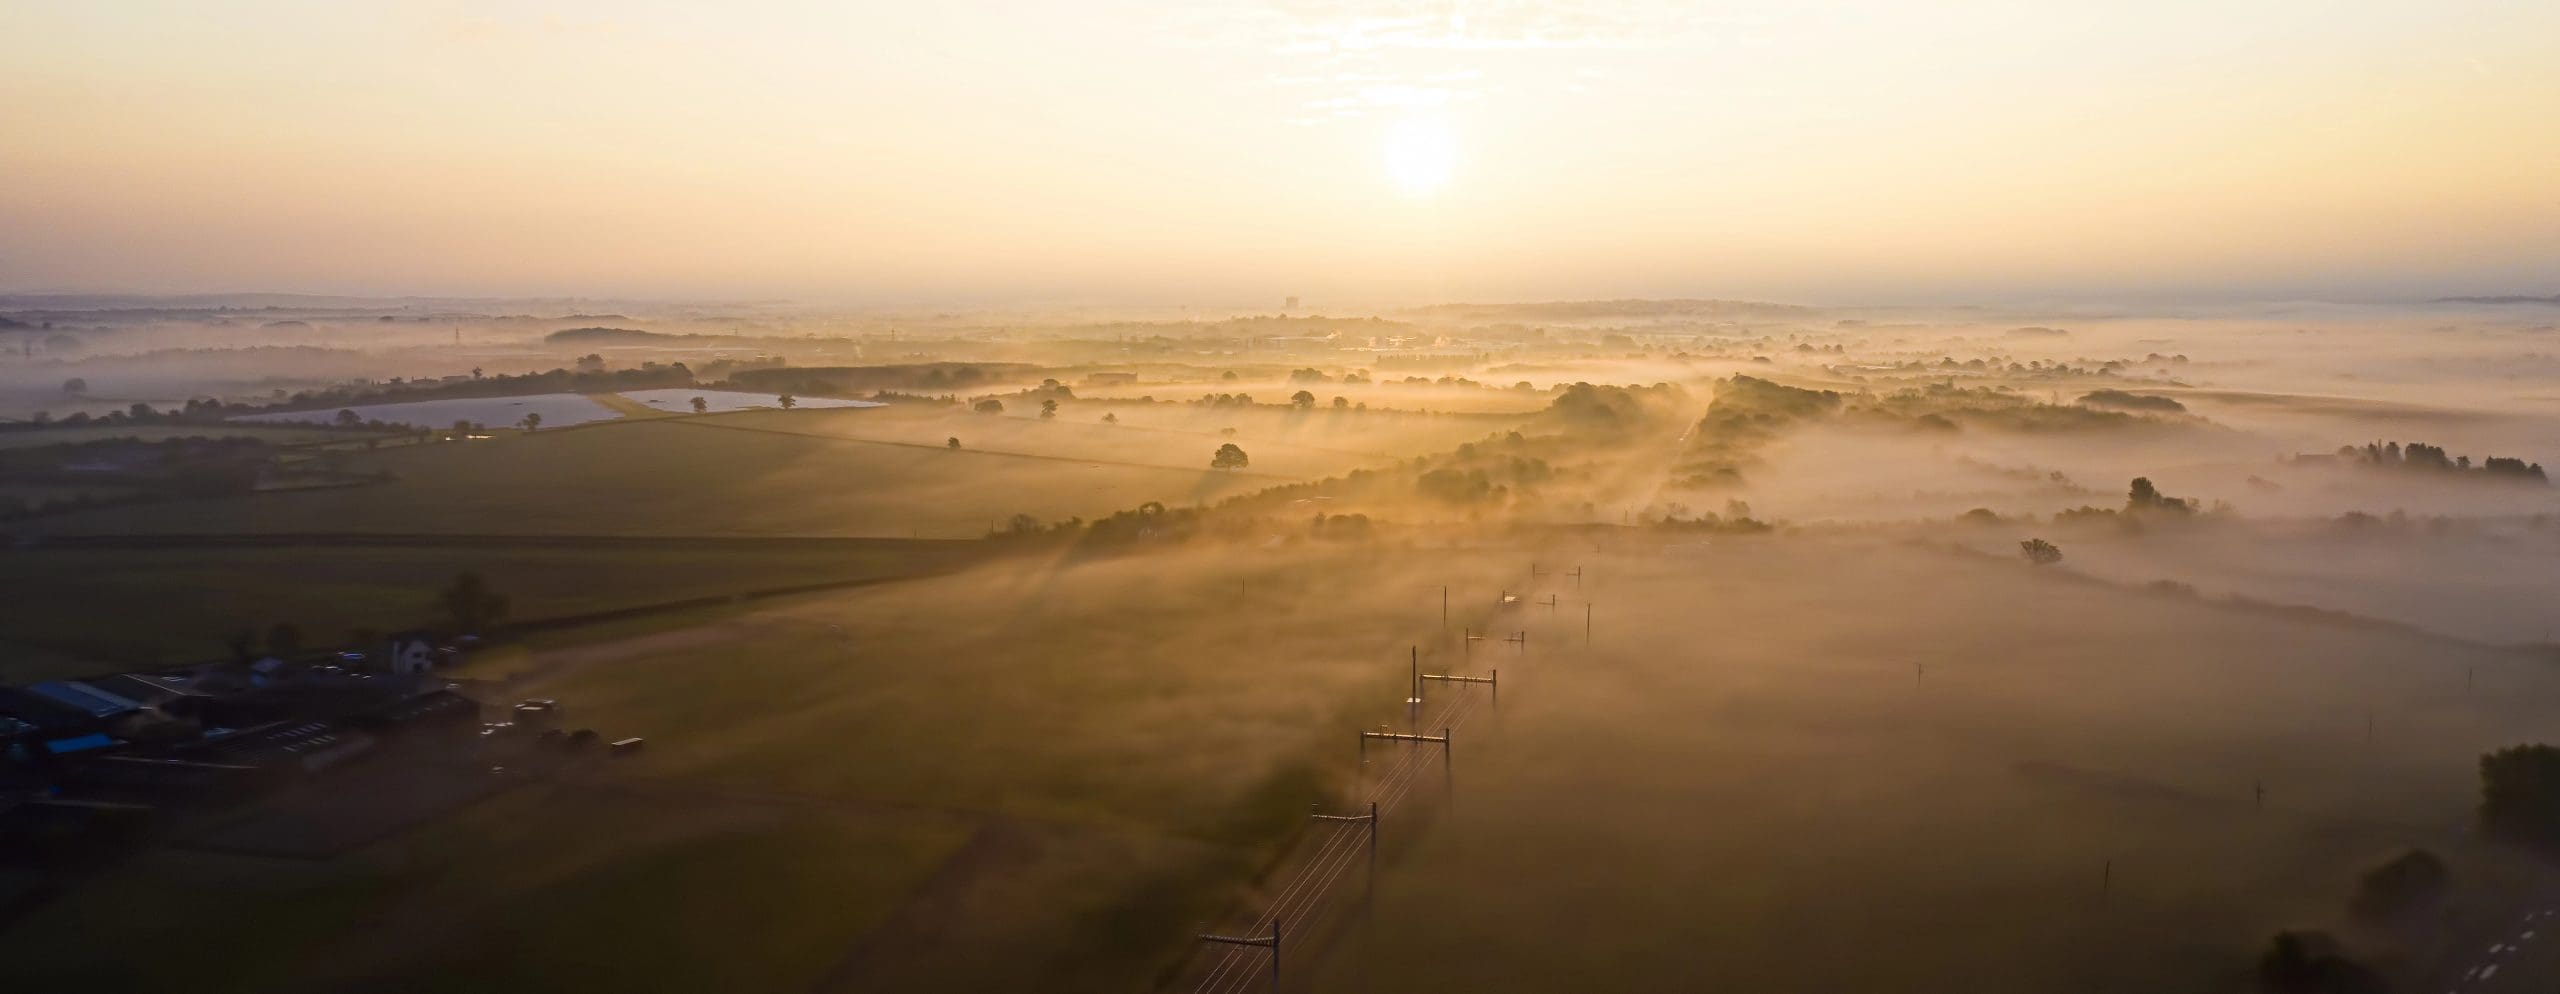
{"x": 271, "y": 434}
{"x": 741, "y": 474}
{"x": 558, "y": 410}
{"x": 1283, "y": 443}
{"x": 200, "y": 596}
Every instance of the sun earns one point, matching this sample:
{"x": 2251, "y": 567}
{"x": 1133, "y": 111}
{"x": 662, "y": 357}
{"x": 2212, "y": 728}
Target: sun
{"x": 1420, "y": 154}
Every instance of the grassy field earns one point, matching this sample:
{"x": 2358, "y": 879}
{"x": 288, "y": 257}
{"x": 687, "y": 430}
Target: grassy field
{"x": 543, "y": 888}
{"x": 1787, "y": 763}
{"x": 271, "y": 434}
{"x": 1289, "y": 443}
{"x": 1788, "y": 767}
{"x": 752, "y": 473}
{"x": 78, "y": 602}
{"x": 1022, "y": 776}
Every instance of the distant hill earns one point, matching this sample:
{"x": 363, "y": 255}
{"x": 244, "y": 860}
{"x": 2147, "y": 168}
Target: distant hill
{"x": 611, "y": 336}
{"x": 2553, "y": 300}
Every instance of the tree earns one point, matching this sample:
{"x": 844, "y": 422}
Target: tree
{"x": 1230, "y": 375}
{"x": 475, "y": 372}
{"x": 1048, "y": 409}
{"x": 2411, "y": 883}
{"x": 1110, "y": 418}
{"x": 532, "y": 421}
{"x": 1302, "y": 400}
{"x": 787, "y": 401}
{"x": 1342, "y": 403}
{"x": 2145, "y": 497}
{"x": 701, "y": 406}
{"x": 988, "y": 406}
{"x": 470, "y": 604}
{"x": 348, "y": 418}
{"x": 284, "y": 640}
{"x": 75, "y": 385}
{"x": 951, "y": 443}
{"x": 1229, "y": 457}
{"x": 2040, "y": 552}
{"x": 2520, "y": 794}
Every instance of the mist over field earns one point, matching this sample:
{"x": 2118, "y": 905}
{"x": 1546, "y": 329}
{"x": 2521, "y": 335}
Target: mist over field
{"x": 1371, "y": 495}
{"x": 1811, "y": 647}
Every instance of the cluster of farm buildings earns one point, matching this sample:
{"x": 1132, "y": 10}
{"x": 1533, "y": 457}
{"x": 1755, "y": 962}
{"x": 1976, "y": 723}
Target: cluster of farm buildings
{"x": 114, "y": 751}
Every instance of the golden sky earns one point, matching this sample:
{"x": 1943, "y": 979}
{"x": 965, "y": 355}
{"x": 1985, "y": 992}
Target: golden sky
{"x": 1228, "y": 151}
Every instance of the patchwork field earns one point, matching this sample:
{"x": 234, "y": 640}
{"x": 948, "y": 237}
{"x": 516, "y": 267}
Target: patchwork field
{"x": 740, "y": 474}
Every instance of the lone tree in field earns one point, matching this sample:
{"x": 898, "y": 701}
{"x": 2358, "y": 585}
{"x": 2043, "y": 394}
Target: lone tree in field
{"x": 1303, "y": 400}
{"x": 787, "y": 401}
{"x": 1110, "y": 418}
{"x": 988, "y": 406}
{"x": 348, "y": 418}
{"x": 284, "y": 640}
{"x": 952, "y": 443}
{"x": 75, "y": 385}
{"x": 470, "y": 604}
{"x": 2039, "y": 552}
{"x": 1229, "y": 456}
{"x": 532, "y": 422}
{"x": 701, "y": 406}
{"x": 1048, "y": 409}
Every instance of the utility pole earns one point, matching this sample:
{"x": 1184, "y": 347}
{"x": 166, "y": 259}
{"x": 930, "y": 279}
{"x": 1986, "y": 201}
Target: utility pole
{"x": 1272, "y": 941}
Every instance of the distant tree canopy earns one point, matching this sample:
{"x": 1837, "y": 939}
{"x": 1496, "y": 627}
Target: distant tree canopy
{"x": 2428, "y": 458}
{"x": 787, "y": 401}
{"x": 1048, "y": 409}
{"x": 470, "y": 604}
{"x": 1302, "y": 400}
{"x": 989, "y": 405}
{"x": 75, "y": 385}
{"x": 1229, "y": 456}
{"x": 2039, "y": 552}
{"x": 2413, "y": 882}
{"x": 2520, "y": 794}
{"x": 2127, "y": 401}
{"x": 2143, "y": 497}
{"x": 951, "y": 443}
{"x": 700, "y": 405}
{"x": 532, "y": 421}
{"x": 2310, "y": 963}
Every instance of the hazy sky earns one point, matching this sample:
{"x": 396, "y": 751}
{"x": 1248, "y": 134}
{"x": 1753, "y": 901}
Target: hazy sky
{"x": 1227, "y": 150}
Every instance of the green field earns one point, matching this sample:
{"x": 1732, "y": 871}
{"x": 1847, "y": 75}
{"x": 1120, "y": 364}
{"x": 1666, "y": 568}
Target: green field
{"x": 1045, "y": 773}
{"x": 1283, "y": 442}
{"x": 754, "y": 473}
{"x": 271, "y": 434}
{"x": 1022, "y": 776}
{"x": 73, "y": 609}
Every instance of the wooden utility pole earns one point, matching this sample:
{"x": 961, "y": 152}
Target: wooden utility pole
{"x": 1272, "y": 941}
